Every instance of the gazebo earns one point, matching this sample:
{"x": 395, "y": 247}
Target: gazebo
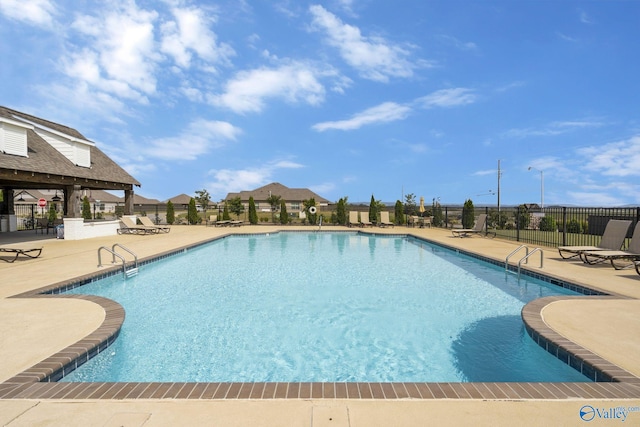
{"x": 38, "y": 154}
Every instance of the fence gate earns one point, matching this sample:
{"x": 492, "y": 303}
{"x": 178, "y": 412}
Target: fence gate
{"x": 27, "y": 214}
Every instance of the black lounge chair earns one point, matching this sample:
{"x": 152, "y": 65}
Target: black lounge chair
{"x": 31, "y": 253}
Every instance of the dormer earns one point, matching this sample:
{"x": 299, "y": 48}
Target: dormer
{"x": 13, "y": 137}
{"x": 77, "y": 150}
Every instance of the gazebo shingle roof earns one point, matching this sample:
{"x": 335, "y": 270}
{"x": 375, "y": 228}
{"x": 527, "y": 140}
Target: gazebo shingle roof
{"x": 45, "y": 159}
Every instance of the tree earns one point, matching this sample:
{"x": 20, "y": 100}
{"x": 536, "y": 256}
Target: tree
{"x": 225, "y": 212}
{"x": 522, "y": 217}
{"x": 438, "y": 217}
{"x": 373, "y": 210}
{"x": 308, "y": 204}
{"x": 192, "y": 212}
{"x": 86, "y": 208}
{"x": 274, "y": 201}
{"x": 468, "y": 214}
{"x": 236, "y": 206}
{"x": 399, "y": 216}
{"x": 410, "y": 207}
{"x": 203, "y": 198}
{"x": 253, "y": 214}
{"x": 171, "y": 214}
{"x": 284, "y": 217}
{"x": 341, "y": 211}
{"x": 53, "y": 215}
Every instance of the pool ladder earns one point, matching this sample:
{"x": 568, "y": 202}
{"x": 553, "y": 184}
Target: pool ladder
{"x": 127, "y": 273}
{"x": 525, "y": 258}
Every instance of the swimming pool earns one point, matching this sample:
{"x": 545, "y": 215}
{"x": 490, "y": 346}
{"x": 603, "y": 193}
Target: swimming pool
{"x": 322, "y": 307}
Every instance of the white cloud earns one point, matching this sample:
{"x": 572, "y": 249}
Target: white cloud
{"x": 236, "y": 180}
{"x": 121, "y": 58}
{"x": 189, "y": 34}
{"x": 36, "y": 12}
{"x": 196, "y": 139}
{"x": 552, "y": 129}
{"x": 614, "y": 159}
{"x": 383, "y": 113}
{"x": 293, "y": 82}
{"x": 373, "y": 57}
{"x": 448, "y": 98}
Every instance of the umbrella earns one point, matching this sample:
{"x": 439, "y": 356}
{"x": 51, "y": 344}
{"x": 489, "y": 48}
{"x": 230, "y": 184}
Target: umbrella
{"x": 421, "y": 205}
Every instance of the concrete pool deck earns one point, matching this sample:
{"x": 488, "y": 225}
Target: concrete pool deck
{"x": 33, "y": 329}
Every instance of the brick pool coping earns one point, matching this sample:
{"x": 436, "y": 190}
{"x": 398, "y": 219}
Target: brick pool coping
{"x": 38, "y": 382}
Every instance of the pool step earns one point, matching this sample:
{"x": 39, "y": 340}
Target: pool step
{"x": 131, "y": 272}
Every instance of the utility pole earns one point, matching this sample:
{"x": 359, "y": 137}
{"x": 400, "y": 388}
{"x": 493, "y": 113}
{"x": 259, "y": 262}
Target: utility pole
{"x": 499, "y": 174}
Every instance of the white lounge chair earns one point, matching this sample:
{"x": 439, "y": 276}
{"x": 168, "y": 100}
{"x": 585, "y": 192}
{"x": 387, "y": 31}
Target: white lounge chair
{"x": 612, "y": 240}
{"x": 384, "y": 219}
{"x": 353, "y": 219}
{"x": 147, "y": 222}
{"x": 364, "y": 219}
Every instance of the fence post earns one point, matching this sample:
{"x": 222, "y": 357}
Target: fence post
{"x": 518, "y": 224}
{"x": 564, "y": 226}
{"x": 446, "y": 217}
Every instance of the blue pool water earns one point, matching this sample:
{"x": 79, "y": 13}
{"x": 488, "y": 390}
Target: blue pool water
{"x": 322, "y": 307}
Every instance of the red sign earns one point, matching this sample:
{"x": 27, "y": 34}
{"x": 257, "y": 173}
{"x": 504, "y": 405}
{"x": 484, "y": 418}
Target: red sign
{"x": 42, "y": 203}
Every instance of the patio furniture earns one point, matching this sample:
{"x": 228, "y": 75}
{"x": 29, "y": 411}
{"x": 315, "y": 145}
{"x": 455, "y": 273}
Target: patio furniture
{"x": 146, "y": 221}
{"x": 612, "y": 240}
{"x": 632, "y": 253}
{"x": 16, "y": 252}
{"x": 384, "y": 219}
{"x": 478, "y": 228}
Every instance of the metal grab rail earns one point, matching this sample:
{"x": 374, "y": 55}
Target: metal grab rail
{"x": 506, "y": 260}
{"x": 114, "y": 254}
{"x": 528, "y": 255}
{"x": 113, "y": 251}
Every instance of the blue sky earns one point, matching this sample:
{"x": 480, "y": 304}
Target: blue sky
{"x": 345, "y": 97}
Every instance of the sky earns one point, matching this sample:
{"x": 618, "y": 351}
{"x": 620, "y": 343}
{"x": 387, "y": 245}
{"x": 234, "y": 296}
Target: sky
{"x": 446, "y": 100}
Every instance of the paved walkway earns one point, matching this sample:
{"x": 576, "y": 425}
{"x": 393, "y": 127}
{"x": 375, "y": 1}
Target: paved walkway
{"x": 33, "y": 329}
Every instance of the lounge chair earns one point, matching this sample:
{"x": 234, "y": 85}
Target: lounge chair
{"x": 612, "y": 240}
{"x": 384, "y": 219}
{"x": 235, "y": 223}
{"x": 364, "y": 219}
{"x": 632, "y": 253}
{"x": 353, "y": 219}
{"x": 478, "y": 228}
{"x": 130, "y": 227}
{"x": 146, "y": 221}
{"x": 31, "y": 253}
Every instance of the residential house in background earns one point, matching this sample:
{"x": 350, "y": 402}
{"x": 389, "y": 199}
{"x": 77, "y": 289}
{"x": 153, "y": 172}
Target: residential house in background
{"x": 293, "y": 197}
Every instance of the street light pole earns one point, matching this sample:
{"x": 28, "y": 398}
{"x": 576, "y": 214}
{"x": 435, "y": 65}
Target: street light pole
{"x": 541, "y": 186}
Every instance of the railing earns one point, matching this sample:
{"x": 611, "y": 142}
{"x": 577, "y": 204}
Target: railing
{"x": 554, "y": 226}
{"x": 114, "y": 254}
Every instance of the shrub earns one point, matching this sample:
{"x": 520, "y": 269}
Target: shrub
{"x": 573, "y": 226}
{"x": 468, "y": 214}
{"x": 547, "y": 223}
{"x": 171, "y": 214}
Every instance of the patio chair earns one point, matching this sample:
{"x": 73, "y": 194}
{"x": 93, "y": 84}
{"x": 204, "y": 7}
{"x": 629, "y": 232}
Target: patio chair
{"x": 353, "y": 219}
{"x": 31, "y": 253}
{"x": 130, "y": 227}
{"x": 384, "y": 219}
{"x": 632, "y": 253}
{"x": 478, "y": 228}
{"x": 364, "y": 219}
{"x": 612, "y": 240}
{"x": 146, "y": 221}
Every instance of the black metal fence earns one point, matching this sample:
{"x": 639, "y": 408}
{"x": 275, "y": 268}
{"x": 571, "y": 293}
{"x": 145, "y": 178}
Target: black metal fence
{"x": 554, "y": 226}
